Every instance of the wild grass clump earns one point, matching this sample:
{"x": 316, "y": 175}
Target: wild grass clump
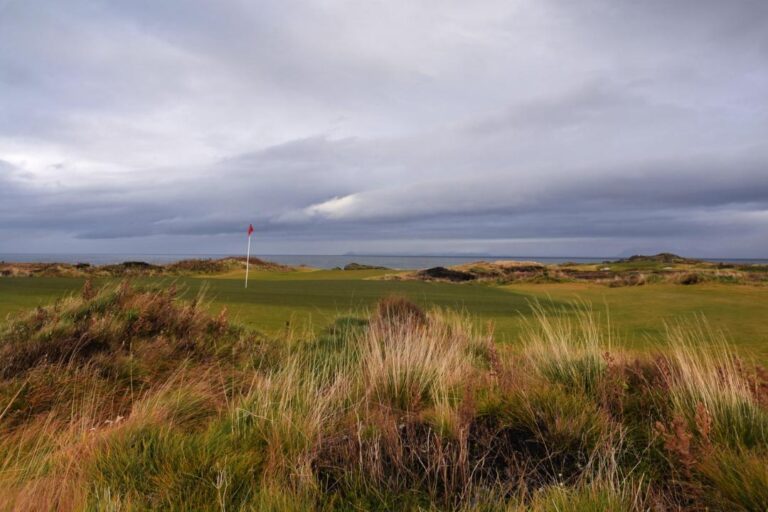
{"x": 567, "y": 348}
{"x": 285, "y": 414}
{"x": 736, "y": 479}
{"x": 412, "y": 360}
{"x": 130, "y": 399}
{"x": 706, "y": 375}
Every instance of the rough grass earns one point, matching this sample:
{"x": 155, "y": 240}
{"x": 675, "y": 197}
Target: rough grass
{"x": 132, "y": 399}
{"x": 635, "y": 271}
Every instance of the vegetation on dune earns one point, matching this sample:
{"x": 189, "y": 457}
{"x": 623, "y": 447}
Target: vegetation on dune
{"x": 360, "y": 266}
{"x": 633, "y": 271}
{"x": 138, "y": 268}
{"x": 132, "y": 399}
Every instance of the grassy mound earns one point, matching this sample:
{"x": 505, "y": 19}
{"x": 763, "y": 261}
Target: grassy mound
{"x": 633, "y": 271}
{"x": 129, "y": 399}
{"x": 121, "y": 341}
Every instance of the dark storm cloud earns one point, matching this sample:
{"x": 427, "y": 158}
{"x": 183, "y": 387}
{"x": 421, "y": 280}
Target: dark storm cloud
{"x": 663, "y": 198}
{"x": 337, "y": 123}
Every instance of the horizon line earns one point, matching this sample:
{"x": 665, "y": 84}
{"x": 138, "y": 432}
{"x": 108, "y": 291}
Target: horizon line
{"x": 368, "y": 255}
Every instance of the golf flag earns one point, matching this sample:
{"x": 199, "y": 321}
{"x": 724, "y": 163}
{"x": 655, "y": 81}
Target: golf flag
{"x": 248, "y": 254}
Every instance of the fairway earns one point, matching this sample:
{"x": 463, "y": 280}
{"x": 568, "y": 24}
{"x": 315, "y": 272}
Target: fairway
{"x": 300, "y": 299}
{"x": 311, "y": 300}
{"x": 639, "y": 313}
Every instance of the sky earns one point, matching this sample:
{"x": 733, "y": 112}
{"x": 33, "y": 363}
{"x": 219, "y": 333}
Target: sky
{"x": 514, "y": 127}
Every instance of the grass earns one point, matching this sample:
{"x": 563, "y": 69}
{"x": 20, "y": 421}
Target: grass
{"x": 314, "y": 299}
{"x": 302, "y": 298}
{"x": 641, "y": 313}
{"x": 136, "y": 399}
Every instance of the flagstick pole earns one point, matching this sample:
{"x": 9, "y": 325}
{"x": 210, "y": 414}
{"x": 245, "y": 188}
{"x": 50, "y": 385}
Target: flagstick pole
{"x": 247, "y": 260}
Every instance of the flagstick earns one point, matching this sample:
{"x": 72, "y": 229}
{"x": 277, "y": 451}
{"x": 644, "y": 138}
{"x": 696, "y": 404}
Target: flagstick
{"x": 247, "y": 260}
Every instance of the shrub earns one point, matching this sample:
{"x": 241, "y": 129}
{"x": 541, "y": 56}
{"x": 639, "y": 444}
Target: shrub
{"x": 545, "y": 435}
{"x": 690, "y": 278}
{"x": 397, "y": 309}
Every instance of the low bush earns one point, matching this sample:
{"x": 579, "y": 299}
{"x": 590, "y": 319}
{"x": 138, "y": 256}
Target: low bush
{"x": 690, "y": 278}
{"x": 396, "y": 309}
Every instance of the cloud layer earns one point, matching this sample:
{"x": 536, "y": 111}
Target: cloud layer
{"x": 540, "y": 127}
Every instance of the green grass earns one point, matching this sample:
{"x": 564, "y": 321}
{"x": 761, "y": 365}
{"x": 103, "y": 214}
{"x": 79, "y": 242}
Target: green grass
{"x": 302, "y": 298}
{"x": 639, "y": 313}
{"x": 315, "y": 298}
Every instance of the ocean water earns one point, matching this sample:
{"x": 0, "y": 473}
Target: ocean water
{"x": 317, "y": 261}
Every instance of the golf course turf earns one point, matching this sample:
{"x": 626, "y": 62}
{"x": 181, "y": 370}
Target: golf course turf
{"x": 311, "y": 300}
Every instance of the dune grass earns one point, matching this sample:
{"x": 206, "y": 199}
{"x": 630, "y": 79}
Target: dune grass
{"x": 132, "y": 398}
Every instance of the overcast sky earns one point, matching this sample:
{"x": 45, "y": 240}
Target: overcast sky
{"x": 536, "y": 127}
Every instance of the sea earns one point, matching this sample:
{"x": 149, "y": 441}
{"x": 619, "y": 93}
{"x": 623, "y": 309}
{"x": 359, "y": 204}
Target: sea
{"x": 324, "y": 261}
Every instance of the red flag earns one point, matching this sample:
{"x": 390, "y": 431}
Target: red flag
{"x": 250, "y": 229}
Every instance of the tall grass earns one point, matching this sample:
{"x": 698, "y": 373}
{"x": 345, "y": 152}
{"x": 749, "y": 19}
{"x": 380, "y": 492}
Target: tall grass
{"x": 129, "y": 399}
{"x": 568, "y": 347}
{"x": 286, "y": 413}
{"x": 705, "y": 372}
{"x": 410, "y": 362}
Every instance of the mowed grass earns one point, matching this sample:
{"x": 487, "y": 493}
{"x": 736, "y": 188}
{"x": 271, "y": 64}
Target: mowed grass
{"x": 311, "y": 300}
{"x": 300, "y": 300}
{"x": 640, "y": 313}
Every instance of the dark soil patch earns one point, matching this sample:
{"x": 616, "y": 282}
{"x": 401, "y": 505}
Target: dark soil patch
{"x": 446, "y": 274}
